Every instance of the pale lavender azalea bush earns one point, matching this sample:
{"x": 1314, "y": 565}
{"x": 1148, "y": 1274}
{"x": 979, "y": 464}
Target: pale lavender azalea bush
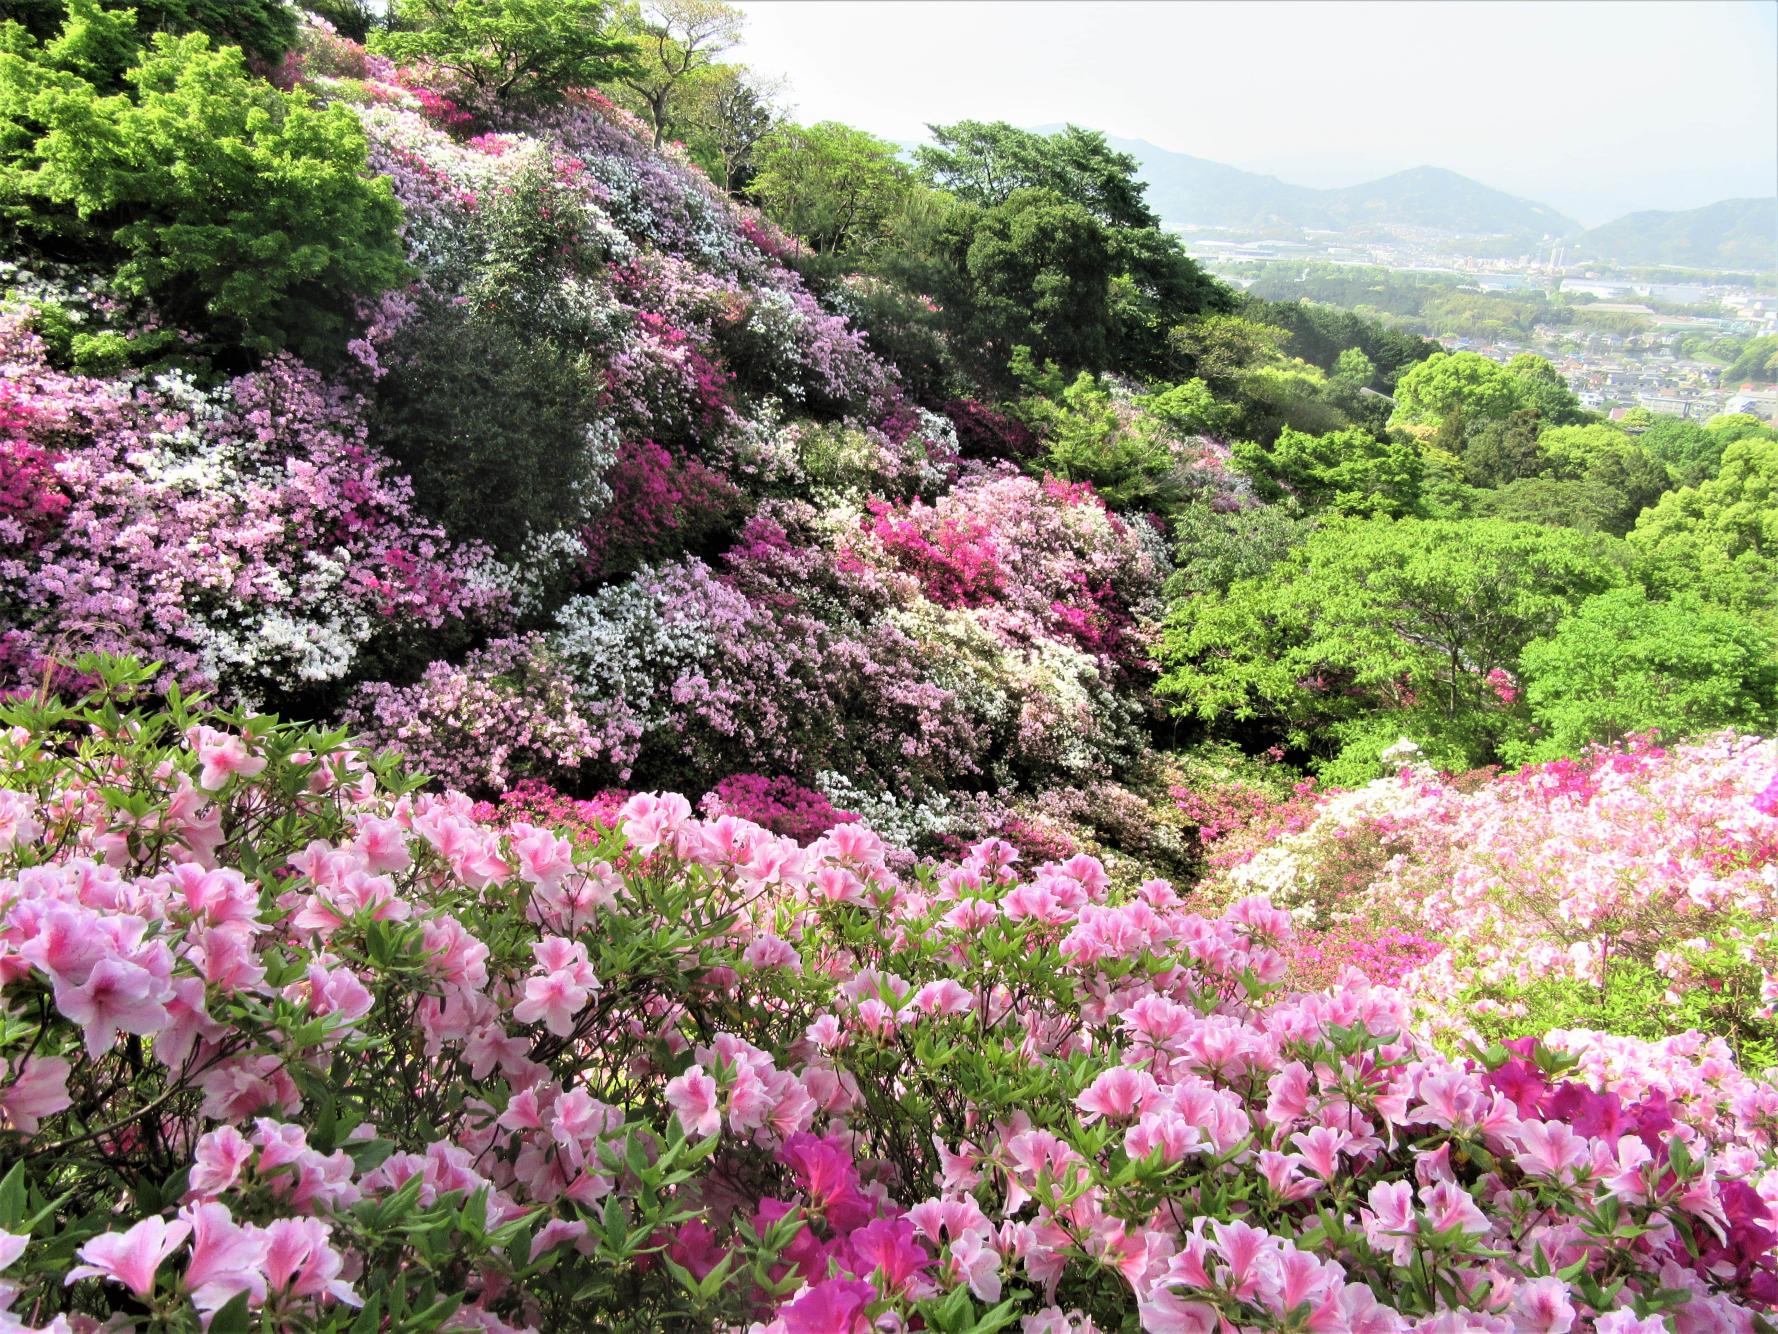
{"x": 286, "y": 1038}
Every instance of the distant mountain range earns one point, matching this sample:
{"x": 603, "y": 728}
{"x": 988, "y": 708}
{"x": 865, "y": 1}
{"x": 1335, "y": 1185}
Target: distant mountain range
{"x": 1194, "y": 192}
{"x": 1734, "y": 234}
{"x": 1191, "y": 191}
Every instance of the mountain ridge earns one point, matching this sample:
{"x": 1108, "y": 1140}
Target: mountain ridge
{"x": 1190, "y": 191}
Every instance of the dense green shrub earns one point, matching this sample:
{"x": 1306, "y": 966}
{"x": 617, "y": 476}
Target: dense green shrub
{"x": 491, "y": 425}
{"x": 240, "y": 210}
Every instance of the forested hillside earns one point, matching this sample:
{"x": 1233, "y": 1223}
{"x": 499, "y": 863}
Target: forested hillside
{"x": 618, "y": 712}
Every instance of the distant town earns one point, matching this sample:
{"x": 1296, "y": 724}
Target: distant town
{"x": 1648, "y": 356}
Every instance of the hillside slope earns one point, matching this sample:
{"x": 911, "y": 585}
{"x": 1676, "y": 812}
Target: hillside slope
{"x": 1731, "y": 234}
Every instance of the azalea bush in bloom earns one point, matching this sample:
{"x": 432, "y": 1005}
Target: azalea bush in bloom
{"x": 1629, "y": 889}
{"x": 246, "y": 535}
{"x": 289, "y": 1043}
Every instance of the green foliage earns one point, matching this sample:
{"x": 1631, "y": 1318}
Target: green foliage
{"x": 263, "y": 29}
{"x": 1220, "y": 349}
{"x": 1757, "y": 363}
{"x": 1542, "y": 389}
{"x": 242, "y": 211}
{"x": 1215, "y": 549}
{"x": 1614, "y": 463}
{"x": 511, "y": 50}
{"x": 1623, "y": 664}
{"x": 1150, "y": 283}
{"x": 832, "y": 185}
{"x": 1321, "y": 335}
{"x": 1189, "y": 408}
{"x": 1349, "y": 472}
{"x": 1635, "y": 1000}
{"x": 986, "y": 164}
{"x": 1091, "y": 438}
{"x": 1722, "y": 534}
{"x": 1687, "y": 450}
{"x": 491, "y": 425}
{"x": 1588, "y": 506}
{"x": 1457, "y": 381}
{"x": 676, "y": 40}
{"x": 1040, "y": 269}
{"x": 1496, "y": 451}
{"x": 725, "y": 114}
{"x": 1376, "y": 626}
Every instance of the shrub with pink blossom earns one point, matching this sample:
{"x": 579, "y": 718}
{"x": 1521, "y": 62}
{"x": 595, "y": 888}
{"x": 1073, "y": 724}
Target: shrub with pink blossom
{"x": 776, "y": 804}
{"x": 288, "y": 1042}
{"x": 509, "y": 711}
{"x": 247, "y": 536}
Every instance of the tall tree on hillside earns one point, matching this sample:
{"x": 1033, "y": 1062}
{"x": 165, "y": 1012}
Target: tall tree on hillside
{"x": 675, "y": 39}
{"x": 728, "y": 113}
{"x": 832, "y": 185}
{"x": 511, "y": 50}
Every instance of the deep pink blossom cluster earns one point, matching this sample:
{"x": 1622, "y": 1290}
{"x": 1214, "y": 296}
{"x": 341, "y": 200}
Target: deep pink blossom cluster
{"x": 776, "y": 804}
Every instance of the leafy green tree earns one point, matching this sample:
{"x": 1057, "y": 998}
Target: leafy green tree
{"x": 1757, "y": 362}
{"x": 355, "y": 19}
{"x": 1497, "y": 452}
{"x": 1189, "y": 409}
{"x": 1541, "y": 387}
{"x": 675, "y": 39}
{"x": 1091, "y": 438}
{"x": 1611, "y": 460}
{"x": 511, "y": 50}
{"x": 832, "y": 185}
{"x": 1153, "y": 283}
{"x": 1320, "y": 335}
{"x": 1691, "y": 453}
{"x": 1353, "y": 369}
{"x": 242, "y": 211}
{"x": 1221, "y": 348}
{"x": 1623, "y": 663}
{"x": 1215, "y": 549}
{"x": 987, "y": 164}
{"x": 263, "y": 29}
{"x": 1483, "y": 390}
{"x": 1592, "y": 507}
{"x": 1722, "y": 534}
{"x": 727, "y": 113}
{"x": 1039, "y": 268}
{"x": 1349, "y": 472}
{"x": 1385, "y": 626}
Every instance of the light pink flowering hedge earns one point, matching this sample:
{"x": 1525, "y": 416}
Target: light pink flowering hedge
{"x": 285, "y": 1044}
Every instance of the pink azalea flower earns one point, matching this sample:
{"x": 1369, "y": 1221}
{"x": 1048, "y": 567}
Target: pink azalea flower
{"x": 1542, "y": 1306}
{"x": 39, "y": 1090}
{"x": 226, "y": 1259}
{"x": 115, "y": 995}
{"x": 693, "y": 1097}
{"x": 1118, "y": 1093}
{"x": 131, "y": 1258}
{"x": 300, "y": 1260}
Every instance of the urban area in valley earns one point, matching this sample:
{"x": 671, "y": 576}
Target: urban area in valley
{"x": 1680, "y": 342}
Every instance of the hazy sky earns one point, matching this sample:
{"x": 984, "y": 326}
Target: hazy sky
{"x": 1597, "y": 107}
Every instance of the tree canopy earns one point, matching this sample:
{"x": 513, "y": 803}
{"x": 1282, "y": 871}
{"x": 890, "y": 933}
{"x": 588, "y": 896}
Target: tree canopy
{"x": 511, "y": 50}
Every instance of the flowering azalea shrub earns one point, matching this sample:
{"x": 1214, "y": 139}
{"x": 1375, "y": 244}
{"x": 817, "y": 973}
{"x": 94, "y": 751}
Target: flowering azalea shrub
{"x": 1630, "y": 889}
{"x": 289, "y": 1042}
{"x": 246, "y": 535}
